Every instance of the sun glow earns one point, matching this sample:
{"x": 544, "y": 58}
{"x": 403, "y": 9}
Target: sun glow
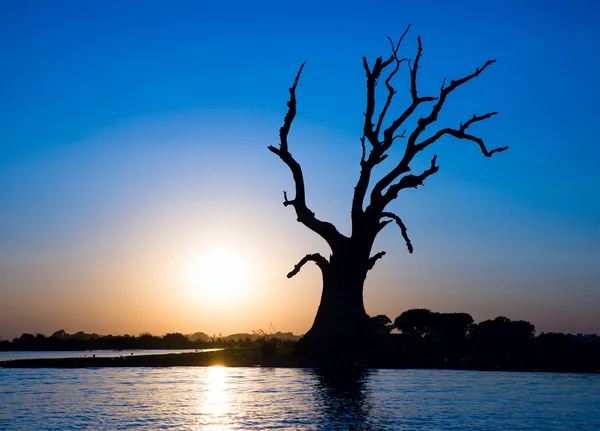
{"x": 215, "y": 276}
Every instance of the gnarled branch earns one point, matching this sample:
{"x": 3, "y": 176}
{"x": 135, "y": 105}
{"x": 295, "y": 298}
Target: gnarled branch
{"x": 401, "y": 225}
{"x": 460, "y": 134}
{"x": 409, "y": 181}
{"x": 388, "y": 134}
{"x": 422, "y": 123}
{"x": 374, "y": 259}
{"x": 316, "y": 257}
{"x": 367, "y": 223}
{"x": 416, "y": 100}
{"x": 411, "y": 148}
{"x": 391, "y": 90}
{"x": 289, "y": 117}
{"x": 305, "y": 216}
{"x": 371, "y": 131}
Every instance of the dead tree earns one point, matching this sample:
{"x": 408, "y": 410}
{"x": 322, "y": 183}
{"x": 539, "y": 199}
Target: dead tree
{"x": 341, "y": 314}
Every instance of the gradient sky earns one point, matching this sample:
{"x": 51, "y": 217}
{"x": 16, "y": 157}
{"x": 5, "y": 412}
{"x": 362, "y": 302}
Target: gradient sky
{"x": 133, "y": 143}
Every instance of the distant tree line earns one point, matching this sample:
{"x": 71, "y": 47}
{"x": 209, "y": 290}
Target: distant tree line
{"x": 80, "y": 341}
{"x": 417, "y": 338}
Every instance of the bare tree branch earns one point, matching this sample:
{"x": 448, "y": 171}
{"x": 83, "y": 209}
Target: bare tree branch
{"x": 374, "y": 259}
{"x": 416, "y": 100}
{"x": 460, "y": 134}
{"x": 391, "y": 90}
{"x": 316, "y": 257}
{"x": 413, "y": 71}
{"x": 422, "y": 123}
{"x": 305, "y": 216}
{"x": 476, "y": 118}
{"x": 366, "y": 224}
{"x": 409, "y": 181}
{"x": 364, "y": 152}
{"x": 289, "y": 117}
{"x": 388, "y": 134}
{"x": 402, "y": 227}
{"x": 411, "y": 149}
{"x": 370, "y": 131}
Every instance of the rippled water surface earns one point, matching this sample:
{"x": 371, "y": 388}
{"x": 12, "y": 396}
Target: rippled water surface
{"x": 219, "y": 398}
{"x": 9, "y": 356}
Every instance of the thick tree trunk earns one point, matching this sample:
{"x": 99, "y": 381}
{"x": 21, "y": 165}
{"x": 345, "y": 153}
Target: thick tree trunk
{"x": 341, "y": 320}
{"x": 341, "y": 312}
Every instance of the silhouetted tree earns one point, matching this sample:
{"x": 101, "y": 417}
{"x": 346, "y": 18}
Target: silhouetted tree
{"x": 148, "y": 341}
{"x": 175, "y": 340}
{"x": 25, "y": 342}
{"x": 451, "y": 326}
{"x": 61, "y": 333}
{"x": 341, "y": 314}
{"x": 380, "y": 325}
{"x": 419, "y": 322}
{"x": 502, "y": 328}
{"x": 426, "y": 323}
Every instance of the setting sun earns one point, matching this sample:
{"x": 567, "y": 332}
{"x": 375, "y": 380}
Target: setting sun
{"x": 215, "y": 276}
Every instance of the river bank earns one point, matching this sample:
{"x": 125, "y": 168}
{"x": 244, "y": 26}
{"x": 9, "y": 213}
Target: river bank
{"x": 248, "y": 357}
{"x": 284, "y": 358}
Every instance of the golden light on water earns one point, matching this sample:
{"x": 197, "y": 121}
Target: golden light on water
{"x": 215, "y": 406}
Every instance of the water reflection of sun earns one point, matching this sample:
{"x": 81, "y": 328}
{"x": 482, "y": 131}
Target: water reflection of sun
{"x": 215, "y": 405}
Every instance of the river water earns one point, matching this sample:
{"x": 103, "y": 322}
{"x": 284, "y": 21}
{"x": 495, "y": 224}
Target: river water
{"x": 218, "y": 398}
{"x": 11, "y": 355}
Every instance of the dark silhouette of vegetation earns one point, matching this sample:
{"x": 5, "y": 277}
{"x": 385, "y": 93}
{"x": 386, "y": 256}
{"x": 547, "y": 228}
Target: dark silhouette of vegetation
{"x": 380, "y": 325}
{"x": 452, "y": 340}
{"x": 341, "y": 315}
{"x": 268, "y": 342}
{"x": 268, "y": 347}
{"x": 80, "y": 341}
{"x": 425, "y": 323}
{"x": 503, "y": 328}
{"x": 430, "y": 340}
{"x": 417, "y": 322}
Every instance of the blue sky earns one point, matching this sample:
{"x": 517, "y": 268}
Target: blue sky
{"x": 133, "y": 135}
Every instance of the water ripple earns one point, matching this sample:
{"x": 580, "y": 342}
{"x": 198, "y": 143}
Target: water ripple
{"x": 219, "y": 398}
